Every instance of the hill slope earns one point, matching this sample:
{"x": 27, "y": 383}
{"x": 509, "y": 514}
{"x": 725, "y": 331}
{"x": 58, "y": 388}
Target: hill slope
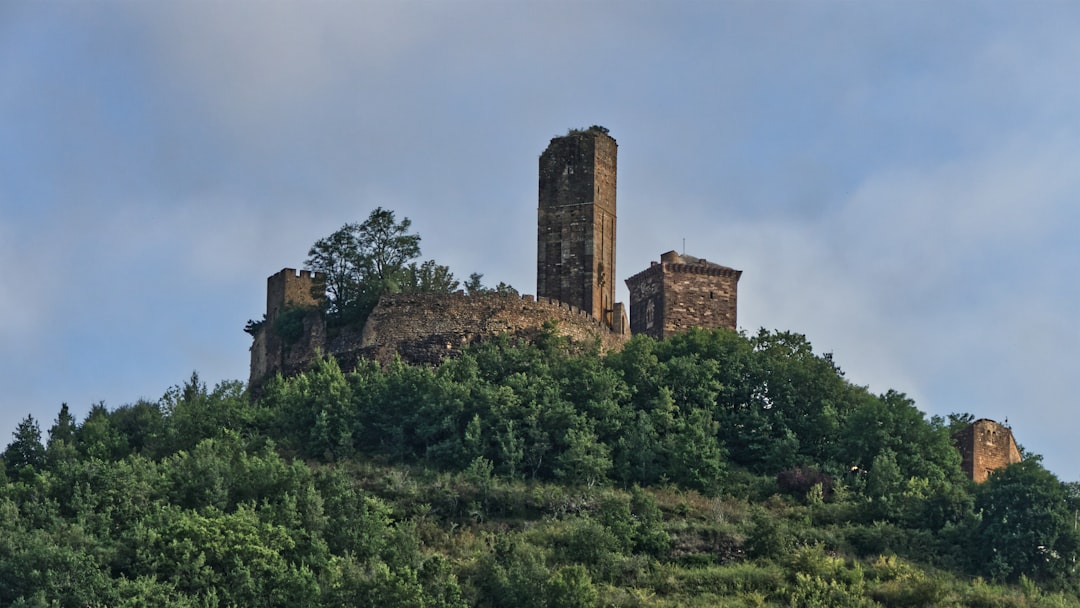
{"x": 711, "y": 469}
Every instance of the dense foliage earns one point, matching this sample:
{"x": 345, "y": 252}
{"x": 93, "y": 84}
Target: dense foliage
{"x": 711, "y": 469}
{"x": 361, "y": 261}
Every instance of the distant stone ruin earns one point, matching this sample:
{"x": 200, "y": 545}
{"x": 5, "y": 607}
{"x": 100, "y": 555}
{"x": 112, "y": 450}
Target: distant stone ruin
{"x": 575, "y": 286}
{"x": 985, "y": 446}
{"x": 420, "y": 328}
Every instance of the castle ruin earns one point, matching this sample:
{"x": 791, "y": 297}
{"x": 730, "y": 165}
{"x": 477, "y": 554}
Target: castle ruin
{"x": 575, "y": 270}
{"x": 575, "y": 252}
{"x": 985, "y": 446}
{"x": 291, "y": 293}
{"x": 575, "y": 285}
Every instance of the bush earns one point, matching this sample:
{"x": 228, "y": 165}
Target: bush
{"x": 289, "y": 325}
{"x": 799, "y": 482}
{"x": 768, "y": 538}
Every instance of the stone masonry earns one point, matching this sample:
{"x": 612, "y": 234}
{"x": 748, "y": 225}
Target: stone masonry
{"x": 575, "y": 283}
{"x": 287, "y": 290}
{"x": 425, "y": 328}
{"x": 575, "y": 260}
{"x": 681, "y": 292}
{"x": 985, "y": 446}
{"x": 291, "y": 289}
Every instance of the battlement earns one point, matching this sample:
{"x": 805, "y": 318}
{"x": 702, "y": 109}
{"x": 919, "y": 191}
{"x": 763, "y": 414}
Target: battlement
{"x": 680, "y": 292}
{"x": 291, "y": 288}
{"x": 478, "y": 316}
{"x": 426, "y": 328}
{"x": 575, "y": 283}
{"x": 711, "y": 270}
{"x": 527, "y": 301}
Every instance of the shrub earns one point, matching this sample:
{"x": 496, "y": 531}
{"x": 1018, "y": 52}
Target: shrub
{"x": 289, "y": 325}
{"x": 768, "y": 538}
{"x": 800, "y": 481}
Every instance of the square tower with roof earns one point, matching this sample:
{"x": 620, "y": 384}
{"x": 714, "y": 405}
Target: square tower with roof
{"x": 680, "y": 292}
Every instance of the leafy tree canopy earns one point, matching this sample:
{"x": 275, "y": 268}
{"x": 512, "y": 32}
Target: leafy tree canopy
{"x": 363, "y": 261}
{"x": 710, "y": 469}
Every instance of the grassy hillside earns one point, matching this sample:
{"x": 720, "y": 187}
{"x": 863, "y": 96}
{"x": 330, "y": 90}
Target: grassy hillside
{"x": 713, "y": 469}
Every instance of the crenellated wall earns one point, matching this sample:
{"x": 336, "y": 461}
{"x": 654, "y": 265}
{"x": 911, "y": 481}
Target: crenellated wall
{"x": 290, "y": 288}
{"x": 681, "y": 292}
{"x": 287, "y": 290}
{"x": 426, "y": 328}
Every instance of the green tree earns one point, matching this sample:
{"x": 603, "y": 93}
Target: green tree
{"x": 64, "y": 427}
{"x": 142, "y": 423}
{"x": 427, "y": 277}
{"x": 474, "y": 286}
{"x": 585, "y": 460}
{"x": 60, "y": 447}
{"x": 98, "y": 437}
{"x": 892, "y": 422}
{"x": 193, "y": 414}
{"x": 513, "y": 574}
{"x": 363, "y": 261}
{"x": 571, "y": 587}
{"x": 26, "y": 450}
{"x": 883, "y": 485}
{"x": 1027, "y": 526}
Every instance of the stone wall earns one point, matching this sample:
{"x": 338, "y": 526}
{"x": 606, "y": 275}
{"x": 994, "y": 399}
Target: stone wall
{"x": 647, "y": 302}
{"x": 292, "y": 289}
{"x": 681, "y": 292}
{"x": 425, "y": 329}
{"x": 576, "y": 222}
{"x": 287, "y": 290}
{"x": 985, "y": 446}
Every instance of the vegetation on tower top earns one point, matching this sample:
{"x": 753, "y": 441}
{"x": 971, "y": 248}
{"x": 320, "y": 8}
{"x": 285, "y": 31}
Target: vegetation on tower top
{"x": 592, "y": 129}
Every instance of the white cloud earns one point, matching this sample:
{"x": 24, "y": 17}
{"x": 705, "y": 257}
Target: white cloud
{"x": 253, "y": 64}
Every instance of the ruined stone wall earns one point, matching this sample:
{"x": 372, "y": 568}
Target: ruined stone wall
{"x": 680, "y": 292}
{"x": 985, "y": 446}
{"x": 576, "y": 222}
{"x": 425, "y": 329}
{"x": 286, "y": 290}
{"x": 271, "y": 354}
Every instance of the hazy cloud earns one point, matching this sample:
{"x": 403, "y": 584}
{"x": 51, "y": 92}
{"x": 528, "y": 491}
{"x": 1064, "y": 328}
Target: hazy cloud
{"x": 896, "y": 181}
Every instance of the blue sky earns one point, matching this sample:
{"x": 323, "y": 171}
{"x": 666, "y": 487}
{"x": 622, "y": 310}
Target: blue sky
{"x": 898, "y": 181}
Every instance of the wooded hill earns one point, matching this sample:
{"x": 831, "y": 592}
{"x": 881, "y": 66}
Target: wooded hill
{"x": 710, "y": 469}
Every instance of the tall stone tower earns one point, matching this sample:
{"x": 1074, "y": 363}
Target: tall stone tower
{"x": 680, "y": 292}
{"x": 575, "y": 260}
{"x": 287, "y": 291}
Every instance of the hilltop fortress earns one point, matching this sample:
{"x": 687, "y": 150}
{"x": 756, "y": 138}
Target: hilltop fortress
{"x": 575, "y": 286}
